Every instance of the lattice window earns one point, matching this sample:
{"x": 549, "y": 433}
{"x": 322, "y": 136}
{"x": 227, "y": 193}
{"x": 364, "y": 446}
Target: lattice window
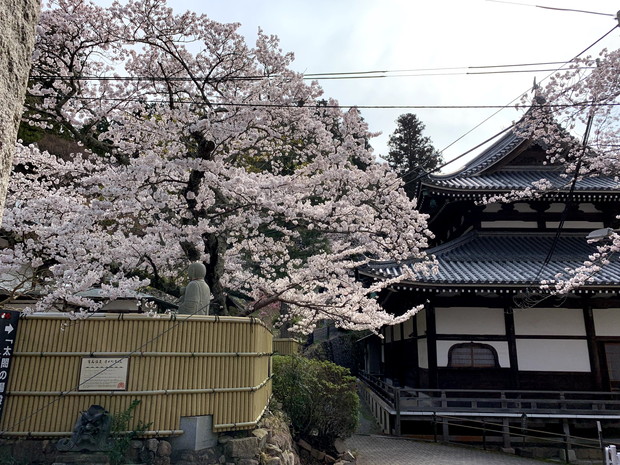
{"x": 471, "y": 355}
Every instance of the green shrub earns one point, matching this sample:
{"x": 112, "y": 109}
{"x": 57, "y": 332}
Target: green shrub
{"x": 320, "y": 398}
{"x": 121, "y": 440}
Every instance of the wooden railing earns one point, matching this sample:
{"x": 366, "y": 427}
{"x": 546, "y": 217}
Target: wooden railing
{"x": 177, "y": 367}
{"x": 502, "y": 402}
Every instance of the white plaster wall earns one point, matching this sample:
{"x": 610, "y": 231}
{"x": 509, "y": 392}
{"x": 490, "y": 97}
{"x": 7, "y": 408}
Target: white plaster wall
{"x": 421, "y": 316}
{"x": 550, "y": 321}
{"x": 501, "y": 347}
{"x": 552, "y": 355}
{"x": 408, "y": 328}
{"x": 588, "y": 208}
{"x": 606, "y": 321}
{"x": 470, "y": 320}
{"x": 523, "y": 207}
{"x": 576, "y": 225}
{"x": 509, "y": 224}
{"x": 422, "y": 353}
{"x": 555, "y": 208}
{"x": 492, "y": 208}
{"x": 396, "y": 331}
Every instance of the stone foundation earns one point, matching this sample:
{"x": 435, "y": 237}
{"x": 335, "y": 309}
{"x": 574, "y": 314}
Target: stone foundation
{"x": 269, "y": 444}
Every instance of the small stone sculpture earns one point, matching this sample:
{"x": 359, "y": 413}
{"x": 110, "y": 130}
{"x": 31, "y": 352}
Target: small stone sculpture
{"x": 195, "y": 300}
{"x": 90, "y": 433}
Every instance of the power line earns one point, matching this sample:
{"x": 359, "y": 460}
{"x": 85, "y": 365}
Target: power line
{"x": 426, "y": 173}
{"x": 445, "y": 68}
{"x": 553, "y": 8}
{"x": 463, "y": 73}
{"x": 422, "y": 72}
{"x": 526, "y": 91}
{"x": 320, "y": 105}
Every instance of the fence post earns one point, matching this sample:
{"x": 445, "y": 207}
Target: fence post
{"x": 435, "y": 426}
{"x": 566, "y": 440}
{"x": 599, "y": 430}
{"x": 397, "y": 408}
{"x": 484, "y": 435}
{"x": 445, "y": 427}
{"x": 506, "y": 433}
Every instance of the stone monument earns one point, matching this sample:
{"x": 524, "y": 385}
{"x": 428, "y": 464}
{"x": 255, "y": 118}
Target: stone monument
{"x": 91, "y": 432}
{"x": 195, "y": 300}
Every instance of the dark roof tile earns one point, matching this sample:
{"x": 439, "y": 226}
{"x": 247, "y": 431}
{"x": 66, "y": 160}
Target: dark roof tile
{"x": 505, "y": 259}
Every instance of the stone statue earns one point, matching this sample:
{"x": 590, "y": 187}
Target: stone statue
{"x": 90, "y": 433}
{"x": 195, "y": 300}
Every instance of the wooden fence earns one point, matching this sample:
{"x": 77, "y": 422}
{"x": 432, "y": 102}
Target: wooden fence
{"x": 176, "y": 367}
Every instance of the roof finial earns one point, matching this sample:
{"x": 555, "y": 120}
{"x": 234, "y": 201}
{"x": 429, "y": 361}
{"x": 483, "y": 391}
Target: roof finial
{"x": 538, "y": 97}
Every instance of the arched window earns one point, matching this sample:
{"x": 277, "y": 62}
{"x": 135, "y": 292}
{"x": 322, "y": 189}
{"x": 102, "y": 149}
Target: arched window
{"x": 472, "y": 355}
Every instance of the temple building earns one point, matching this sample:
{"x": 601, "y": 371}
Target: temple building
{"x": 486, "y": 323}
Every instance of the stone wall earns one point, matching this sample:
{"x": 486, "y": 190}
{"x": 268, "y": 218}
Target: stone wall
{"x": 18, "y": 19}
{"x": 269, "y": 444}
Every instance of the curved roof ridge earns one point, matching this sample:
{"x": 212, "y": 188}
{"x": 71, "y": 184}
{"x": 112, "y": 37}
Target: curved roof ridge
{"x": 488, "y": 157}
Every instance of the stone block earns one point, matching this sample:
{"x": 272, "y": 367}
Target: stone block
{"x": 317, "y": 454}
{"x": 273, "y": 461}
{"x": 164, "y": 449}
{"x": 243, "y": 448}
{"x": 339, "y": 445}
{"x": 347, "y": 456}
{"x": 151, "y": 445}
{"x": 271, "y": 449}
{"x": 288, "y": 458}
{"x": 281, "y": 439}
{"x": 262, "y": 435}
{"x": 198, "y": 434}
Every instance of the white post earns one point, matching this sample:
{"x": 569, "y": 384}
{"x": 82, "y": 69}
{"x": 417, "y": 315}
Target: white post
{"x": 611, "y": 456}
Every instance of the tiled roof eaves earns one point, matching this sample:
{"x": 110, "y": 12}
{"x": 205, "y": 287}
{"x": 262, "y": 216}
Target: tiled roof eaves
{"x": 501, "y": 260}
{"x": 479, "y": 193}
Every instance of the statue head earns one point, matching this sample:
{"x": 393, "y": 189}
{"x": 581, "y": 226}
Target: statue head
{"x": 197, "y": 271}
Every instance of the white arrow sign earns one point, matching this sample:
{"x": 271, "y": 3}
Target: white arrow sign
{"x": 9, "y": 329}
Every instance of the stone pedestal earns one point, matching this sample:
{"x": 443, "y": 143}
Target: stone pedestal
{"x": 197, "y": 434}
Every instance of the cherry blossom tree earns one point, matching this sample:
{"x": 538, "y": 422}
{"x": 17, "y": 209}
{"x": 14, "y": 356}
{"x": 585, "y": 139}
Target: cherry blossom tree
{"x": 577, "y": 117}
{"x": 192, "y": 145}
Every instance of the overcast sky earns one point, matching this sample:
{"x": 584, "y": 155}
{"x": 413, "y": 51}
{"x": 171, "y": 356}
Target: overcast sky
{"x": 366, "y": 35}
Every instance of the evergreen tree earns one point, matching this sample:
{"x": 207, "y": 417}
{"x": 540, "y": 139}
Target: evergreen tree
{"x": 411, "y": 153}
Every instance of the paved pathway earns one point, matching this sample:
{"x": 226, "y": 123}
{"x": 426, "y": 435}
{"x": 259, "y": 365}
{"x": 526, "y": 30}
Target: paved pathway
{"x": 385, "y": 450}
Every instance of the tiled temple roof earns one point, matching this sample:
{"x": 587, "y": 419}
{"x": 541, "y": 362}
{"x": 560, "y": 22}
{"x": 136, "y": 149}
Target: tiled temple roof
{"x": 504, "y": 260}
{"x": 488, "y": 172}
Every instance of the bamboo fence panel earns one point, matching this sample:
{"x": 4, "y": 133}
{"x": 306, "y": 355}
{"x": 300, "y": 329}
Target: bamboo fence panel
{"x": 286, "y": 346}
{"x": 191, "y": 366}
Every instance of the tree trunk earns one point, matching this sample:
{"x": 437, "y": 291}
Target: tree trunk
{"x": 215, "y": 246}
{"x": 18, "y": 19}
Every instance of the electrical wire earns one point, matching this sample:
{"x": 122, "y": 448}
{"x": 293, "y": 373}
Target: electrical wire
{"x": 415, "y": 72}
{"x": 509, "y": 105}
{"x": 553, "y": 8}
{"x": 320, "y": 105}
